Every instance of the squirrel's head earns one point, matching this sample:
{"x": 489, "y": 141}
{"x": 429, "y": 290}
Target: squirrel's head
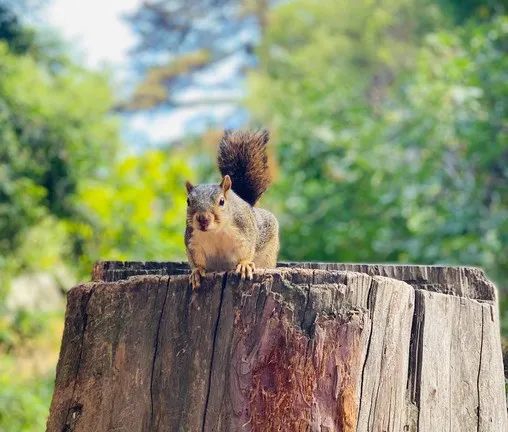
{"x": 208, "y": 205}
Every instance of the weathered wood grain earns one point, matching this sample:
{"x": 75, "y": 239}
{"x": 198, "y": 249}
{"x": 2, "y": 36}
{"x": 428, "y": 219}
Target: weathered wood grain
{"x": 450, "y": 363}
{"x": 385, "y": 373}
{"x": 350, "y": 348}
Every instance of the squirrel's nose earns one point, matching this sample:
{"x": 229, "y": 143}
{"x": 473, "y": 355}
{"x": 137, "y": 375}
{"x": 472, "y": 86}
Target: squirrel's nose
{"x": 203, "y": 220}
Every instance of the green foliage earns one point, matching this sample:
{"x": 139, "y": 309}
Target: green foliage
{"x": 137, "y": 211}
{"x": 18, "y": 38}
{"x": 24, "y": 410}
{"x": 28, "y": 346}
{"x": 392, "y": 146}
{"x": 453, "y": 115}
{"x": 55, "y": 131}
{"x": 462, "y": 10}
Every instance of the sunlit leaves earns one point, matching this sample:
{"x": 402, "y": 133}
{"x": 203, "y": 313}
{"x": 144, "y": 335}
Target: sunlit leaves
{"x": 138, "y": 210}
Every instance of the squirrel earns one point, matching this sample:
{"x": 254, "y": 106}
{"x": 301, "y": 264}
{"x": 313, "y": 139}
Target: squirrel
{"x": 224, "y": 230}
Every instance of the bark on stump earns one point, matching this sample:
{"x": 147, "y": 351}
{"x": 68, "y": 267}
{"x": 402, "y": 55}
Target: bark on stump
{"x": 305, "y": 347}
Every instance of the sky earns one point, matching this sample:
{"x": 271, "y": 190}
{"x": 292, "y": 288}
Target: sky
{"x": 95, "y": 28}
{"x": 97, "y": 33}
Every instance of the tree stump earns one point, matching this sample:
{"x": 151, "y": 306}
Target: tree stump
{"x": 304, "y": 347}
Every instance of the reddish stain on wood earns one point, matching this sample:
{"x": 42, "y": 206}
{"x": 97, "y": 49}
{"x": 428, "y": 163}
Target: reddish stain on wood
{"x": 298, "y": 381}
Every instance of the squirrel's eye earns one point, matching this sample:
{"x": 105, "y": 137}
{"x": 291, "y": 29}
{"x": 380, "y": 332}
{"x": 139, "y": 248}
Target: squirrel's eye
{"x": 188, "y": 201}
{"x": 221, "y": 202}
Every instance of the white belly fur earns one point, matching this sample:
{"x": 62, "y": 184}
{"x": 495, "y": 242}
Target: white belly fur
{"x": 221, "y": 250}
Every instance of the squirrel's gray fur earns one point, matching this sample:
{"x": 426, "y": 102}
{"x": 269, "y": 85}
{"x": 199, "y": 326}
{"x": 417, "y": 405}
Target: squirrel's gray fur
{"x": 224, "y": 230}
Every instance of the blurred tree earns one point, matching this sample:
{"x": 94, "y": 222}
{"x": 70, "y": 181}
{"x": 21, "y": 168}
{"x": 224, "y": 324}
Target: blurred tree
{"x": 326, "y": 70}
{"x": 137, "y": 212}
{"x": 392, "y": 144}
{"x": 18, "y": 37}
{"x": 44, "y": 47}
{"x": 24, "y": 403}
{"x": 55, "y": 130}
{"x": 44, "y": 119}
{"x": 451, "y": 122}
{"x": 462, "y": 10}
{"x": 203, "y": 46}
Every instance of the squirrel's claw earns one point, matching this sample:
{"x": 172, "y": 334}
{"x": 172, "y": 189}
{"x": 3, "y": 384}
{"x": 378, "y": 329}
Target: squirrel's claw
{"x": 245, "y": 269}
{"x": 195, "y": 277}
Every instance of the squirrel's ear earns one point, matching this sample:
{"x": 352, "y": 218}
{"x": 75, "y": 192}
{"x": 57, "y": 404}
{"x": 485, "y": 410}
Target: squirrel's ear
{"x": 225, "y": 184}
{"x": 189, "y": 186}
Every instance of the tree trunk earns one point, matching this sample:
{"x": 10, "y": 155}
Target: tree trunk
{"x": 305, "y": 347}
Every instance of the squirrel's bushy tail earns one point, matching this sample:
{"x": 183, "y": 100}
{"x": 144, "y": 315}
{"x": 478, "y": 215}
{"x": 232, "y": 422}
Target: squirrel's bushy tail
{"x": 242, "y": 156}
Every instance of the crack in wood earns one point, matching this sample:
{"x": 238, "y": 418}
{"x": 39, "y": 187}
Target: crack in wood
{"x": 371, "y": 305}
{"x": 362, "y": 377}
{"x": 304, "y": 325}
{"x": 70, "y": 418}
{"x": 415, "y": 358}
{"x": 156, "y": 347}
{"x": 215, "y": 332}
{"x": 479, "y": 373}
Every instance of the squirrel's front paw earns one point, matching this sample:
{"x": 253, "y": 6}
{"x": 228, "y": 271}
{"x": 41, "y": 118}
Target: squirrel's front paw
{"x": 195, "y": 277}
{"x": 245, "y": 269}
